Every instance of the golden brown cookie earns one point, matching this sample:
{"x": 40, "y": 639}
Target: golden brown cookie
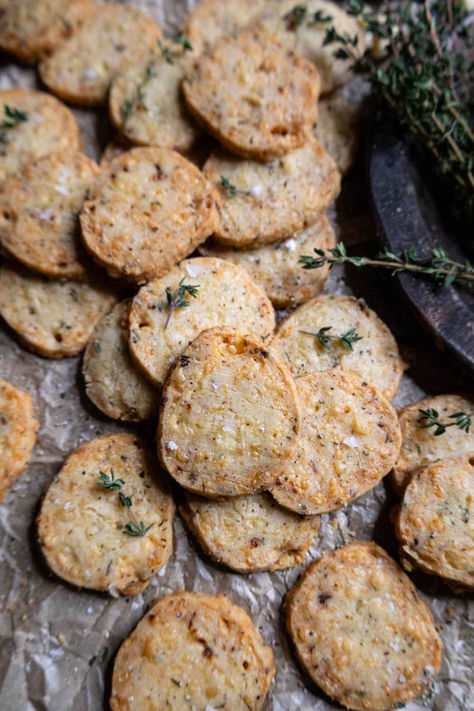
{"x": 435, "y": 523}
{"x": 34, "y": 125}
{"x": 420, "y": 444}
{"x": 375, "y": 357}
{"x": 52, "y": 318}
{"x": 361, "y": 631}
{"x": 106, "y": 522}
{"x": 113, "y": 382}
{"x": 192, "y": 651}
{"x": 112, "y": 38}
{"x": 18, "y": 427}
{"x": 257, "y": 98}
{"x": 337, "y": 130}
{"x": 249, "y": 534}
{"x": 276, "y": 266}
{"x": 39, "y": 214}
{"x": 269, "y": 202}
{"x": 148, "y": 209}
{"x": 224, "y": 295}
{"x": 230, "y": 416}
{"x": 213, "y": 19}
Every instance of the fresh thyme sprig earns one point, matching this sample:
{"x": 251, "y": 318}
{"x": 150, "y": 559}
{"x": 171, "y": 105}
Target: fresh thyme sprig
{"x": 177, "y": 299}
{"x": 129, "y": 107}
{"x": 326, "y": 339}
{"x": 134, "y": 527}
{"x": 439, "y": 267}
{"x": 229, "y": 187}
{"x": 184, "y": 41}
{"x": 12, "y": 118}
{"x": 430, "y": 418}
{"x": 110, "y": 482}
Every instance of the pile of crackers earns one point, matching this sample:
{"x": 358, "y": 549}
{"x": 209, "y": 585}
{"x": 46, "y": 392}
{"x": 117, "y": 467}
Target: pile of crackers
{"x": 165, "y": 267}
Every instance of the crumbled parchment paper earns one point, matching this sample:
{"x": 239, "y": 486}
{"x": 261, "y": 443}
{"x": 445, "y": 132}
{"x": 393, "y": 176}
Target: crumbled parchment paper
{"x": 57, "y": 643}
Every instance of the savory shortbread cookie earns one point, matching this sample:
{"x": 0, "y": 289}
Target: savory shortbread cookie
{"x": 18, "y": 427}
{"x": 106, "y": 522}
{"x": 148, "y": 209}
{"x": 303, "y": 27}
{"x": 39, "y": 214}
{"x": 361, "y": 631}
{"x": 33, "y": 125}
{"x": 276, "y": 266}
{"x": 213, "y": 19}
{"x": 435, "y": 524}
{"x": 337, "y": 130}
{"x": 374, "y": 356}
{"x": 256, "y": 97}
{"x": 269, "y": 202}
{"x": 29, "y": 29}
{"x": 113, "y": 382}
{"x": 230, "y": 416}
{"x": 420, "y": 444}
{"x": 146, "y": 103}
{"x": 52, "y": 318}
{"x": 349, "y": 440}
{"x": 249, "y": 534}
{"x": 224, "y": 294}
{"x": 111, "y": 39}
{"x": 192, "y": 651}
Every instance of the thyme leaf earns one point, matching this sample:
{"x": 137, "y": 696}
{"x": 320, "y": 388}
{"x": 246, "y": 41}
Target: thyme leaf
{"x": 326, "y": 339}
{"x": 12, "y": 118}
{"x": 136, "y": 529}
{"x": 229, "y": 187}
{"x": 430, "y": 418}
{"x": 177, "y": 299}
{"x": 184, "y": 41}
{"x": 110, "y": 482}
{"x": 165, "y": 52}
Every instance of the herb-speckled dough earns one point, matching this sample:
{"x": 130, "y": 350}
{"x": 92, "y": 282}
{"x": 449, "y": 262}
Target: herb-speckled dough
{"x": 307, "y": 38}
{"x": 79, "y": 524}
{"x": 337, "y": 130}
{"x": 420, "y": 445}
{"x": 111, "y": 39}
{"x": 230, "y": 416}
{"x": 273, "y": 200}
{"x": 249, "y": 534}
{"x": 435, "y": 525}
{"x": 349, "y": 440}
{"x": 276, "y": 266}
{"x": 256, "y": 97}
{"x": 49, "y": 128}
{"x": 52, "y": 318}
{"x": 361, "y": 631}
{"x": 226, "y": 296}
{"x": 148, "y": 209}
{"x": 213, "y": 19}
{"x": 192, "y": 651}
{"x": 113, "y": 382}
{"x": 18, "y": 427}
{"x": 32, "y": 28}
{"x": 39, "y": 214}
{"x": 375, "y": 358}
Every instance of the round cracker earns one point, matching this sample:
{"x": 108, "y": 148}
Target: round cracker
{"x": 229, "y": 416}
{"x": 146, "y": 103}
{"x": 256, "y": 97}
{"x": 192, "y": 651}
{"x": 49, "y": 127}
{"x": 148, "y": 209}
{"x": 249, "y": 534}
{"x": 52, "y": 318}
{"x": 420, "y": 445}
{"x": 113, "y": 382}
{"x": 349, "y": 440}
{"x": 213, "y": 19}
{"x": 111, "y": 39}
{"x": 39, "y": 214}
{"x": 18, "y": 427}
{"x": 226, "y": 296}
{"x": 272, "y": 201}
{"x": 337, "y": 130}
{"x": 361, "y": 631}
{"x": 307, "y": 37}
{"x": 435, "y": 524}
{"x": 375, "y": 358}
{"x": 32, "y": 28}
{"x": 81, "y": 524}
{"x": 276, "y": 267}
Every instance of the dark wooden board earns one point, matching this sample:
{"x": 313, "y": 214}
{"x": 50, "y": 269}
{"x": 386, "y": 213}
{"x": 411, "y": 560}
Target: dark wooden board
{"x": 406, "y": 213}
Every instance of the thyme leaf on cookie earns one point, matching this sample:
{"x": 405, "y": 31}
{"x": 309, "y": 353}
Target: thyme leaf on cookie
{"x": 181, "y": 39}
{"x": 430, "y": 418}
{"x": 229, "y": 187}
{"x": 134, "y": 527}
{"x": 165, "y": 53}
{"x": 325, "y": 338}
{"x": 12, "y": 118}
{"x": 296, "y": 16}
{"x": 110, "y": 482}
{"x": 177, "y": 299}
{"x": 126, "y": 110}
